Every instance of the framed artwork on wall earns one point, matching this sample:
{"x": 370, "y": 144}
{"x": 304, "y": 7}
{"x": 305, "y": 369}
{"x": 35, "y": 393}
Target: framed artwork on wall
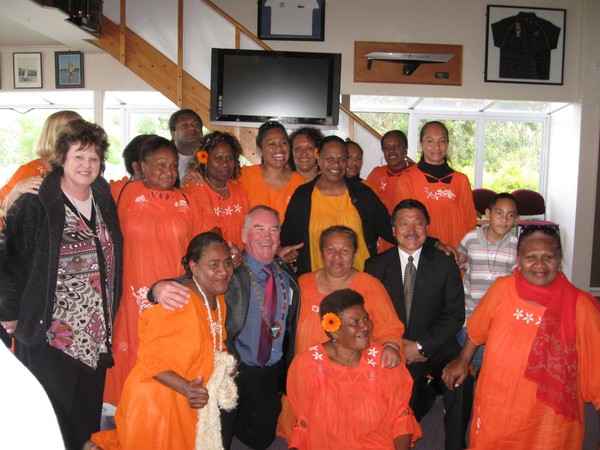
{"x": 68, "y": 69}
{"x": 27, "y": 70}
{"x": 291, "y": 20}
{"x": 525, "y": 45}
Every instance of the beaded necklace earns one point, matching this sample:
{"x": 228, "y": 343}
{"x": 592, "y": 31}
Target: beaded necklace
{"x": 487, "y": 251}
{"x": 212, "y": 325}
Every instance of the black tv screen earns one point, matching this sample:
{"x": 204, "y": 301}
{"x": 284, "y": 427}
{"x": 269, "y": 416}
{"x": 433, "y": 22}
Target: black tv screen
{"x": 249, "y": 87}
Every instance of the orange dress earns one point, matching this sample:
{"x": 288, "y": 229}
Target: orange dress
{"x": 346, "y": 408}
{"x": 259, "y": 193}
{"x": 116, "y": 186}
{"x": 506, "y": 413}
{"x": 385, "y": 183}
{"x": 157, "y": 227}
{"x": 450, "y": 206}
{"x": 150, "y": 414}
{"x": 386, "y": 325}
{"x": 225, "y": 213}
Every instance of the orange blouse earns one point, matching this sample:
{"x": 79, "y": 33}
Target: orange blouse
{"x": 259, "y": 193}
{"x": 506, "y": 413}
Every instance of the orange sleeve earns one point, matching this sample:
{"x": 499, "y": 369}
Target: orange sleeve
{"x": 398, "y": 385}
{"x": 31, "y": 169}
{"x": 587, "y": 318}
{"x": 478, "y": 325}
{"x": 301, "y": 386}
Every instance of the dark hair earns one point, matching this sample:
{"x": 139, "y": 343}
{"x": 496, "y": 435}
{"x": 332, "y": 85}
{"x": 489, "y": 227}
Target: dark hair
{"x": 398, "y": 133}
{"x": 328, "y": 140}
{"x": 339, "y": 301}
{"x": 410, "y": 203}
{"x": 153, "y": 143}
{"x": 350, "y": 141}
{"x": 267, "y": 126}
{"x": 338, "y": 229}
{"x": 433, "y": 122}
{"x": 528, "y": 232}
{"x": 501, "y": 196}
{"x": 210, "y": 141}
{"x": 175, "y": 116}
{"x": 196, "y": 248}
{"x": 131, "y": 152}
{"x": 82, "y": 132}
{"x": 256, "y": 208}
{"x": 313, "y": 134}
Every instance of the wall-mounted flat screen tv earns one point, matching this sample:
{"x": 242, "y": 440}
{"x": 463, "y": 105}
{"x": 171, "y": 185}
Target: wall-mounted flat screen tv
{"x": 249, "y": 87}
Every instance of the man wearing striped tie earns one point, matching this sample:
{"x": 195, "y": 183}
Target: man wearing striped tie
{"x": 426, "y": 288}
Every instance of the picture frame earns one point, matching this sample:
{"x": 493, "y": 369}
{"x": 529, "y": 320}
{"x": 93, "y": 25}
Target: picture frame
{"x": 525, "y": 45}
{"x": 291, "y": 20}
{"x": 27, "y": 70}
{"x": 68, "y": 70}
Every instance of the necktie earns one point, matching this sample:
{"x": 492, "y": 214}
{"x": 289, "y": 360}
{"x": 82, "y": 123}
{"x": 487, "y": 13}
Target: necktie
{"x": 409, "y": 282}
{"x": 265, "y": 340}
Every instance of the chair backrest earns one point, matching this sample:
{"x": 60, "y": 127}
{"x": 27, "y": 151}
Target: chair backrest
{"x": 531, "y": 203}
{"x": 482, "y": 198}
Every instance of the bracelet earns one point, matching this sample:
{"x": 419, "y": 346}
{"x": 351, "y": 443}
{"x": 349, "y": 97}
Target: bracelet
{"x": 436, "y": 244}
{"x": 393, "y": 345}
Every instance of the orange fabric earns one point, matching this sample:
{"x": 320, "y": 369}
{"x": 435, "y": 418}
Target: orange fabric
{"x": 259, "y": 193}
{"x": 150, "y": 414}
{"x": 386, "y": 325}
{"x": 116, "y": 186}
{"x": 506, "y": 413}
{"x": 157, "y": 227}
{"x": 33, "y": 168}
{"x": 225, "y": 213}
{"x": 326, "y": 211}
{"x": 349, "y": 407}
{"x": 450, "y": 206}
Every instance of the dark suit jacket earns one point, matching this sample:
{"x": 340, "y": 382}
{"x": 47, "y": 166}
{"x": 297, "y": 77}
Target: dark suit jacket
{"x": 438, "y": 307}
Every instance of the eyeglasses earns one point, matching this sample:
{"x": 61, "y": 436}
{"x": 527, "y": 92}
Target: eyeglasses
{"x": 546, "y": 229}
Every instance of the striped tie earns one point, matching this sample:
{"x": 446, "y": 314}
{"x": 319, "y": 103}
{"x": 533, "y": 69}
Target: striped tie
{"x": 409, "y": 285}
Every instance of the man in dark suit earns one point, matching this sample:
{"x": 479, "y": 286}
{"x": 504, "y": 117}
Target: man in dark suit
{"x": 427, "y": 291}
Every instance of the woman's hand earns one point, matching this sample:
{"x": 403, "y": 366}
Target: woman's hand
{"x": 390, "y": 356}
{"x": 10, "y": 326}
{"x": 196, "y": 394}
{"x": 27, "y": 186}
{"x": 455, "y": 373}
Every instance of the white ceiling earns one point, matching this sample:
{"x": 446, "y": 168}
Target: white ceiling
{"x": 24, "y": 23}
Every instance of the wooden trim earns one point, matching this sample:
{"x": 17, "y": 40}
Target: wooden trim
{"x": 361, "y": 122}
{"x": 122, "y": 31}
{"x": 179, "y": 87}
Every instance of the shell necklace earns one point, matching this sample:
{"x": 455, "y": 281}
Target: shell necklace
{"x": 487, "y": 251}
{"x": 212, "y": 325}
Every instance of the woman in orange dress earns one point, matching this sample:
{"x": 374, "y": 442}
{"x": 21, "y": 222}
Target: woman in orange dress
{"x": 338, "y": 248}
{"x": 223, "y": 202}
{"x": 446, "y": 193}
{"x": 182, "y": 364}
{"x": 332, "y": 199}
{"x": 541, "y": 363}
{"x": 271, "y": 182}
{"x": 157, "y": 222}
{"x": 340, "y": 391}
{"x": 28, "y": 177}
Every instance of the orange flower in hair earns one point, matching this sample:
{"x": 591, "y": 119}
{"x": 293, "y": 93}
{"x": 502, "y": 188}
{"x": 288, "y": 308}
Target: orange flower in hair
{"x": 202, "y": 156}
{"x": 331, "y": 322}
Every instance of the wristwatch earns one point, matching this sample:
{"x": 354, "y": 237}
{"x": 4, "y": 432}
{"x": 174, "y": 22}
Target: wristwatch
{"x": 420, "y": 348}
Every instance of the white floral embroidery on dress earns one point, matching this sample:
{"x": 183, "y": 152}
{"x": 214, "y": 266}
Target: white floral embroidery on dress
{"x": 317, "y": 356}
{"x": 371, "y": 362}
{"x": 142, "y": 201}
{"x": 217, "y": 210}
{"x": 518, "y": 314}
{"x": 313, "y": 348}
{"x": 373, "y": 352}
{"x": 315, "y": 308}
{"x": 382, "y": 184}
{"x": 238, "y": 208}
{"x": 539, "y": 319}
{"x": 228, "y": 211}
{"x": 528, "y": 318}
{"x": 182, "y": 206}
{"x": 440, "y": 193}
{"x": 141, "y": 298}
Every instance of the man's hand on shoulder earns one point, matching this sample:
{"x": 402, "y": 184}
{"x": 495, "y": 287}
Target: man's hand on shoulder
{"x": 170, "y": 294}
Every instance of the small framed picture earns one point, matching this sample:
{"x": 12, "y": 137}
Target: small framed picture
{"x": 69, "y": 69}
{"x": 27, "y": 69}
{"x": 291, "y": 20}
{"x": 525, "y": 45}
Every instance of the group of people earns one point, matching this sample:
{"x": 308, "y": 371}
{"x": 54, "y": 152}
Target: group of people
{"x": 209, "y": 301}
